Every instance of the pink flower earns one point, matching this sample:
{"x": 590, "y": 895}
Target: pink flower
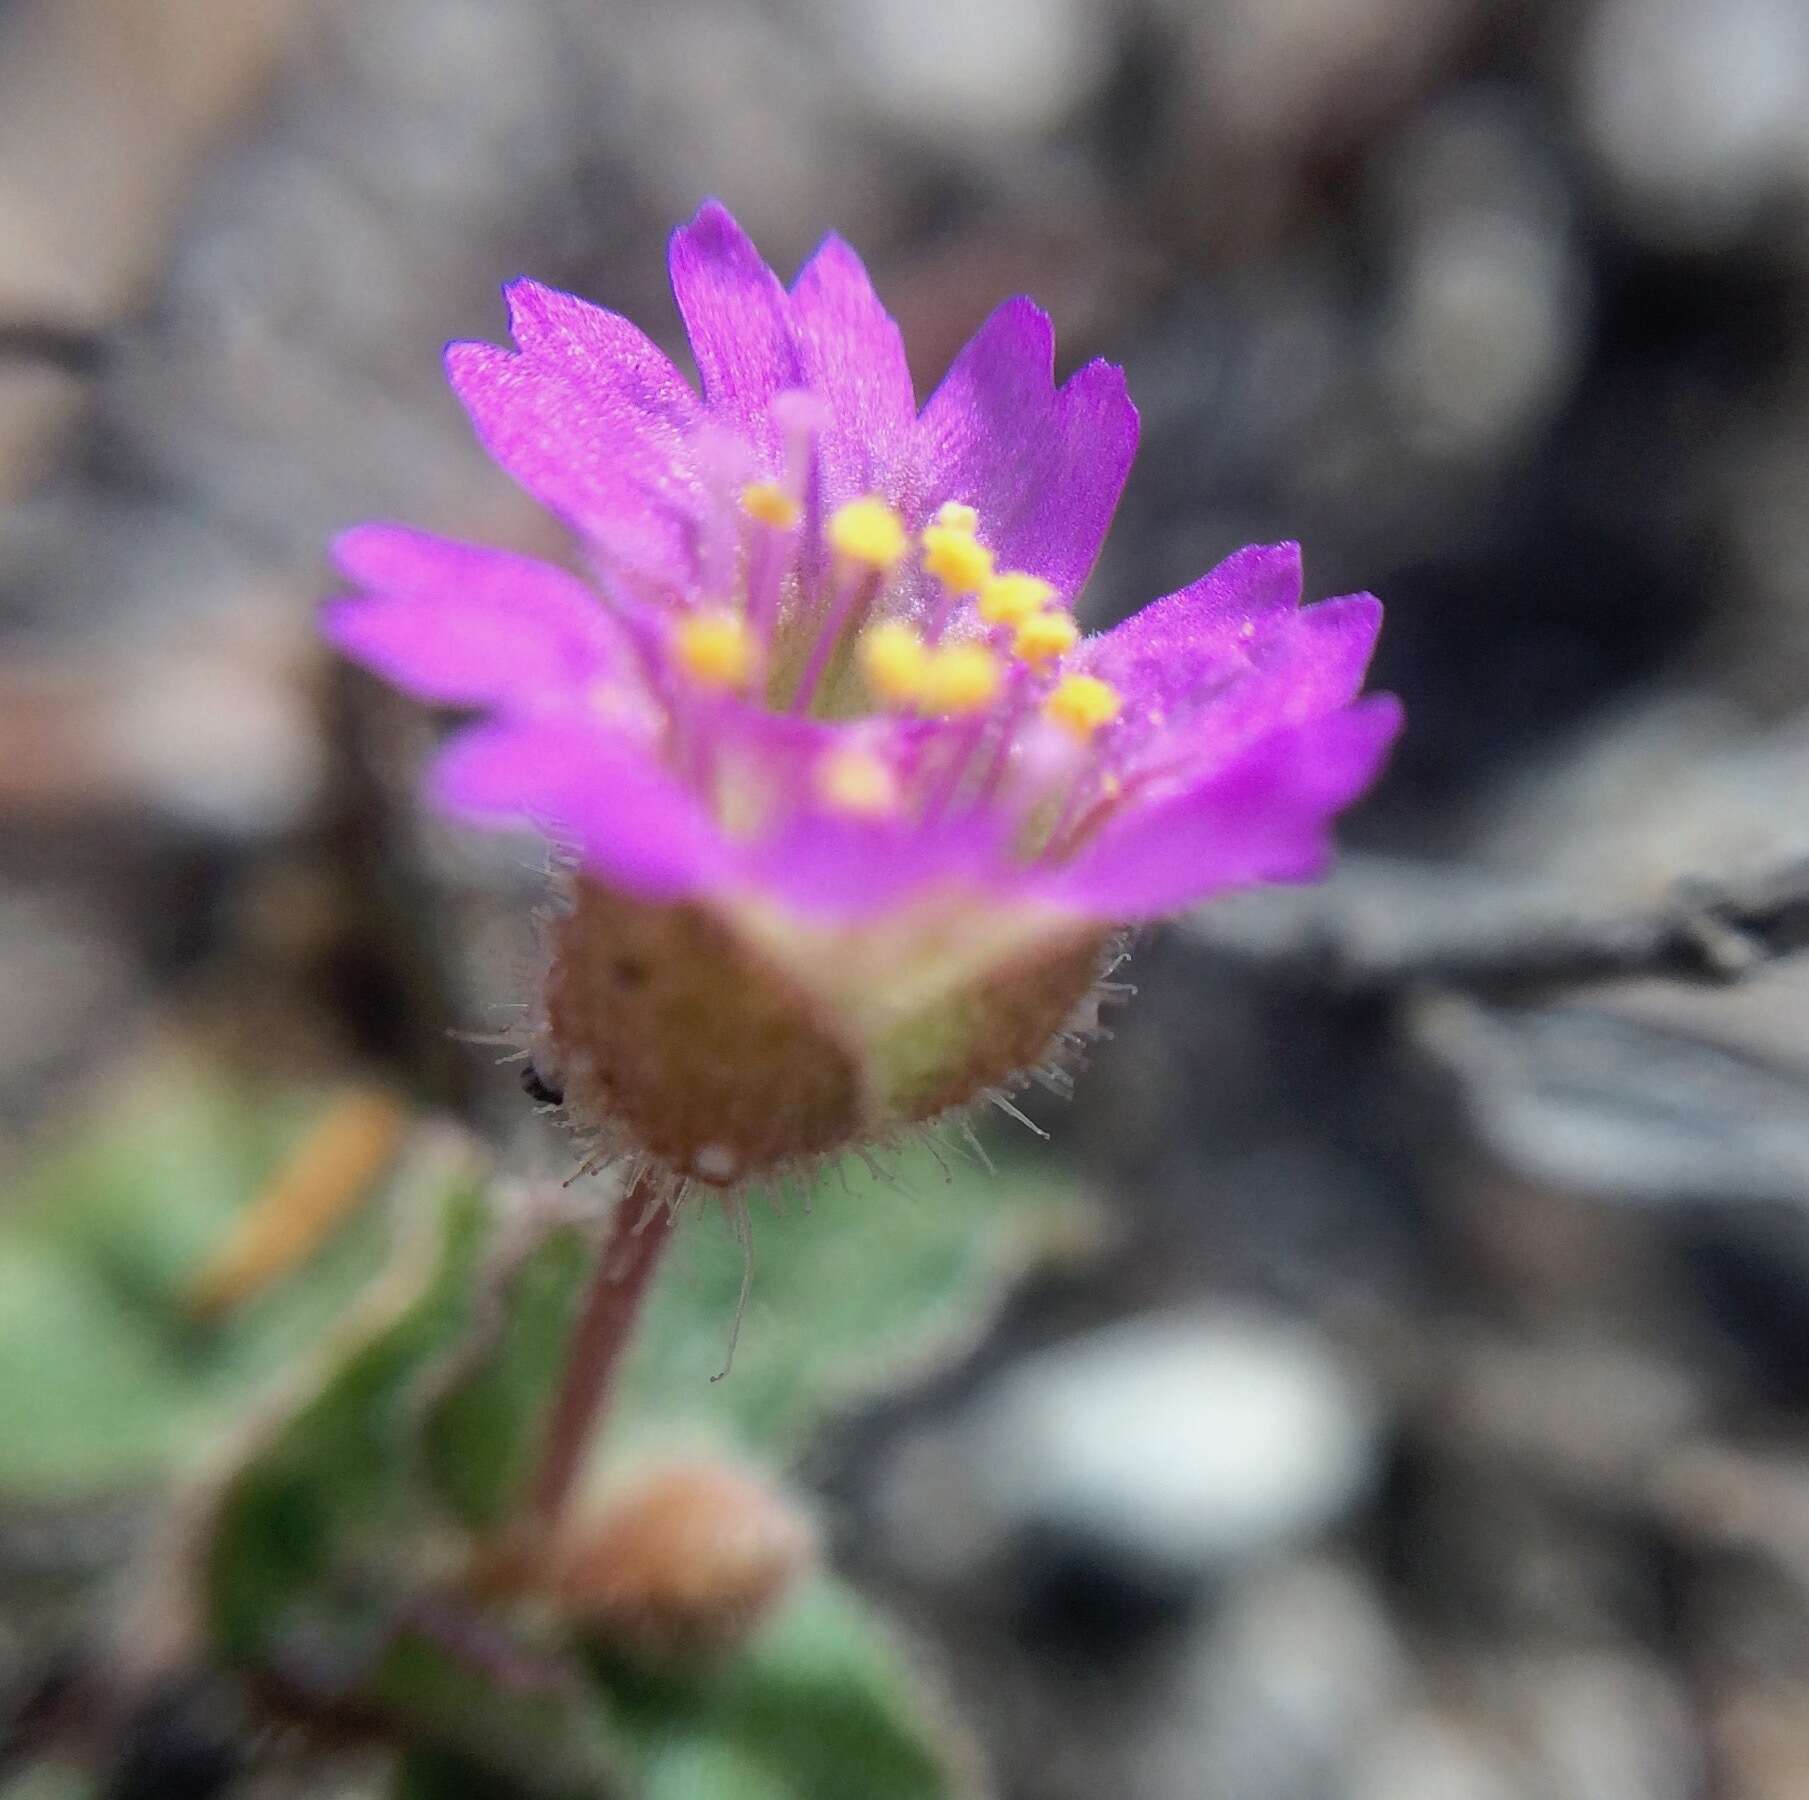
{"x": 822, "y": 694}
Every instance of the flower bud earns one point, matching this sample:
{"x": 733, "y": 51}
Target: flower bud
{"x": 685, "y": 1561}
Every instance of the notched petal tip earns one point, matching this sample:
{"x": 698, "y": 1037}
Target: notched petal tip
{"x": 532, "y": 306}
{"x": 471, "y": 364}
{"x": 382, "y": 554}
{"x": 1105, "y": 379}
{"x": 712, "y": 215}
{"x": 1031, "y": 326}
{"x": 354, "y": 551}
{"x": 476, "y": 777}
{"x": 1376, "y": 721}
{"x": 1099, "y": 393}
{"x": 711, "y": 235}
{"x": 1347, "y": 626}
{"x": 834, "y": 257}
{"x": 339, "y": 619}
{"x": 1338, "y": 758}
{"x": 736, "y": 315}
{"x": 1271, "y": 577}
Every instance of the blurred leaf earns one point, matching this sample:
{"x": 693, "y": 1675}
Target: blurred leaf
{"x": 516, "y": 1720}
{"x": 818, "y": 1705}
{"x": 339, "y": 1485}
{"x": 439, "y": 1404}
{"x": 866, "y": 1285}
{"x": 48, "y": 1781}
{"x": 483, "y": 1439}
{"x": 337, "y": 1554}
{"x": 334, "y": 1554}
{"x": 440, "y": 1775}
{"x": 89, "y": 1395}
{"x": 105, "y": 1379}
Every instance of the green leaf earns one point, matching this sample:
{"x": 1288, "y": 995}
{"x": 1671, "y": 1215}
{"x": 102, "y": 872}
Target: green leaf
{"x": 433, "y": 1416}
{"x": 867, "y": 1284}
{"x": 521, "y": 1721}
{"x": 484, "y": 1438}
{"x": 339, "y": 1485}
{"x": 105, "y": 1379}
{"x": 48, "y": 1781}
{"x": 89, "y": 1395}
{"x": 333, "y": 1555}
{"x": 440, "y": 1775}
{"x": 820, "y": 1704}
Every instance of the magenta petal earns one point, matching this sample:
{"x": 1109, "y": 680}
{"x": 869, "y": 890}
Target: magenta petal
{"x": 851, "y": 353}
{"x": 1294, "y": 668}
{"x": 1180, "y": 645}
{"x": 833, "y": 866}
{"x": 1265, "y": 817}
{"x": 592, "y": 419}
{"x": 1045, "y": 466}
{"x": 1323, "y": 651}
{"x": 463, "y": 625}
{"x": 629, "y": 820}
{"x": 738, "y": 319}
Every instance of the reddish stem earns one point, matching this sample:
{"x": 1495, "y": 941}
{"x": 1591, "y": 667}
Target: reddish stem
{"x": 631, "y": 1251}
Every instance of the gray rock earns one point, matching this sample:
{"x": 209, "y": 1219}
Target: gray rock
{"x": 1184, "y": 1445}
{"x": 1697, "y": 111}
{"x": 1423, "y": 1755}
{"x": 1605, "y": 1726}
{"x": 1275, "y": 1694}
{"x": 980, "y": 68}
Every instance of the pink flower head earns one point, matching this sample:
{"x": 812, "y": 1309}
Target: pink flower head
{"x": 822, "y": 680}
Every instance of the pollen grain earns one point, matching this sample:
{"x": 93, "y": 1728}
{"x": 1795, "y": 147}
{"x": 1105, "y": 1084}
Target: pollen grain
{"x": 1014, "y": 597}
{"x": 961, "y": 678}
{"x": 769, "y": 504}
{"x": 715, "y": 649}
{"x": 956, "y": 558}
{"x": 894, "y": 661}
{"x": 1082, "y": 704}
{"x": 867, "y": 531}
{"x": 1044, "y": 636}
{"x": 853, "y": 780}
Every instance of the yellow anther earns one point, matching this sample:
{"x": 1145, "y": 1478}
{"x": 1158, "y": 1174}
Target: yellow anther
{"x": 957, "y": 515}
{"x": 961, "y": 678}
{"x": 894, "y": 660}
{"x": 1081, "y": 704}
{"x": 1045, "y": 636}
{"x": 867, "y": 531}
{"x": 856, "y": 781}
{"x": 1013, "y": 597}
{"x": 771, "y": 505}
{"x": 715, "y": 649}
{"x": 956, "y": 558}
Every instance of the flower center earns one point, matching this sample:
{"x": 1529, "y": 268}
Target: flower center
{"x": 956, "y": 665}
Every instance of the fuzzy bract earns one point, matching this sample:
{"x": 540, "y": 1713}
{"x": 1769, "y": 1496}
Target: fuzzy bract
{"x": 819, "y": 692}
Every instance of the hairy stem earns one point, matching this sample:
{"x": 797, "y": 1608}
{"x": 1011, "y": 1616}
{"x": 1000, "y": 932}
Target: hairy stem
{"x": 631, "y": 1251}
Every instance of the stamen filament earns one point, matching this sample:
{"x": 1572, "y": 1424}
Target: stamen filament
{"x": 868, "y": 539}
{"x": 769, "y": 550}
{"x": 1019, "y": 697}
{"x": 856, "y": 590}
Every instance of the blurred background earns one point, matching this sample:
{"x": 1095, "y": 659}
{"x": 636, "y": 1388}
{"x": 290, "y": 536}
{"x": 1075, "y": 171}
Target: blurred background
{"x": 1428, "y": 1421}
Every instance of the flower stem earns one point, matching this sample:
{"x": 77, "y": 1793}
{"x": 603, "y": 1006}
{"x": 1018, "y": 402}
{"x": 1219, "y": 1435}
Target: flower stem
{"x": 631, "y": 1251}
